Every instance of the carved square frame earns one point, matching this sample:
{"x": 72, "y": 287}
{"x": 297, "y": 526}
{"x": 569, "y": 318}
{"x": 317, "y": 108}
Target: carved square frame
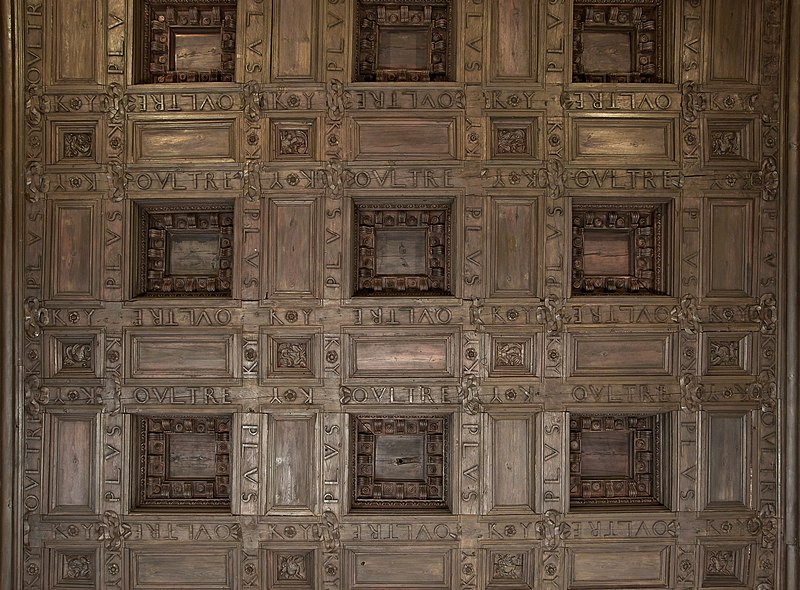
{"x": 434, "y": 217}
{"x": 644, "y": 19}
{"x": 67, "y": 566}
{"x": 373, "y": 15}
{"x": 283, "y": 565}
{"x": 643, "y": 487}
{"x": 158, "y": 20}
{"x": 726, "y": 565}
{"x": 291, "y": 356}
{"x": 514, "y": 139}
{"x": 89, "y": 156}
{"x": 508, "y": 567}
{"x": 648, "y": 226}
{"x": 293, "y": 139}
{"x": 730, "y": 141}
{"x": 151, "y": 442}
{"x": 154, "y": 220}
{"x": 513, "y": 353}
{"x": 432, "y": 494}
{"x": 74, "y": 355}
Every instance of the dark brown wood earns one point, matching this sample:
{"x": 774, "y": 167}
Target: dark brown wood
{"x": 414, "y": 294}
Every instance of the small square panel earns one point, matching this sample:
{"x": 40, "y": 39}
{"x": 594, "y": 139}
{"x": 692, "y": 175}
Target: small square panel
{"x": 619, "y": 249}
{"x": 402, "y": 249}
{"x": 74, "y": 355}
{"x": 185, "y": 249}
{"x": 730, "y": 141}
{"x": 400, "y": 462}
{"x": 615, "y": 460}
{"x": 293, "y": 139}
{"x": 186, "y": 41}
{"x": 508, "y": 567}
{"x": 619, "y": 42}
{"x": 514, "y": 139}
{"x": 183, "y": 462}
{"x": 404, "y": 41}
{"x": 291, "y": 357}
{"x": 512, "y": 356}
{"x": 290, "y": 567}
{"x": 72, "y": 568}
{"x": 725, "y": 566}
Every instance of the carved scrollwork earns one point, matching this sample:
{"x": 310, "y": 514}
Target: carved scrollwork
{"x": 769, "y": 179}
{"x": 469, "y": 394}
{"x": 765, "y": 312}
{"x": 36, "y": 184}
{"x": 765, "y": 390}
{"x": 692, "y": 393}
{"x": 335, "y": 100}
{"x": 36, "y": 317}
{"x": 113, "y": 531}
{"x": 552, "y": 315}
{"x": 117, "y": 181}
{"x": 78, "y": 567}
{"x": 330, "y": 531}
{"x": 36, "y": 396}
{"x": 475, "y": 310}
{"x": 556, "y": 178}
{"x": 334, "y": 178}
{"x": 252, "y": 100}
{"x": 251, "y": 176}
{"x": 553, "y": 530}
{"x": 114, "y": 103}
{"x": 765, "y": 525}
{"x": 685, "y": 315}
{"x": 35, "y": 106}
{"x": 692, "y": 102}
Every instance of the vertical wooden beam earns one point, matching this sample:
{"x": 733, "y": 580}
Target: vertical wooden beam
{"x": 8, "y": 286}
{"x": 791, "y": 328}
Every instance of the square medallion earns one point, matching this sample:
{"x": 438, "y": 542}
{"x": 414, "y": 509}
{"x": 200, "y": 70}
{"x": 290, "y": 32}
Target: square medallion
{"x": 183, "y": 462}
{"x": 400, "y": 462}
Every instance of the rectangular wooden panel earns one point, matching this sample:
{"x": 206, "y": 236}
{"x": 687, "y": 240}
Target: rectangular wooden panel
{"x": 192, "y": 566}
{"x": 728, "y": 459}
{"x": 733, "y": 44}
{"x": 514, "y": 40}
{"x": 401, "y": 354}
{"x": 72, "y": 467}
{"x": 200, "y": 141}
{"x": 76, "y": 39}
{"x": 633, "y": 354}
{"x": 294, "y": 43}
{"x": 613, "y": 140}
{"x": 728, "y": 252}
{"x": 410, "y": 139}
{"x": 510, "y": 464}
{"x": 619, "y": 566}
{"x": 187, "y": 356}
{"x": 375, "y": 568}
{"x": 515, "y": 252}
{"x": 74, "y": 250}
{"x": 293, "y": 248}
{"x": 292, "y": 486}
